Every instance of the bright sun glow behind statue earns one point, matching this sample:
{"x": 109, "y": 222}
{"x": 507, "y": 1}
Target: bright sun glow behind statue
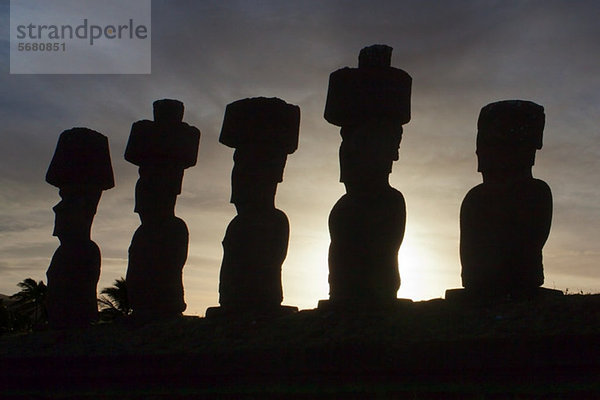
{"x": 422, "y": 275}
{"x": 413, "y": 259}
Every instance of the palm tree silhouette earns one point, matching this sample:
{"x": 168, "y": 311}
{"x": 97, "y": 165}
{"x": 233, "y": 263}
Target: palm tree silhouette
{"x": 30, "y": 301}
{"x": 114, "y": 302}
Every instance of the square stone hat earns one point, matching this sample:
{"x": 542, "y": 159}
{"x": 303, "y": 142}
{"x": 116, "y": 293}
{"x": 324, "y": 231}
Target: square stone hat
{"x": 166, "y": 141}
{"x": 82, "y": 157}
{"x": 168, "y": 110}
{"x": 374, "y": 90}
{"x": 261, "y": 121}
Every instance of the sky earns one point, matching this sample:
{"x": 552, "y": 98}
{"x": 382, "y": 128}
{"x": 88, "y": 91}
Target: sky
{"x": 461, "y": 55}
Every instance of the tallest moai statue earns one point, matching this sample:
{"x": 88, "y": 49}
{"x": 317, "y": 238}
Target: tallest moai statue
{"x": 370, "y": 103}
{"x": 162, "y": 149}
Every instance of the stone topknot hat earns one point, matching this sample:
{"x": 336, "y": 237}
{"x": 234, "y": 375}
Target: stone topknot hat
{"x": 168, "y": 110}
{"x": 374, "y": 90}
{"x": 260, "y": 120}
{"x": 166, "y": 141}
{"x": 81, "y": 158}
{"x": 512, "y": 122}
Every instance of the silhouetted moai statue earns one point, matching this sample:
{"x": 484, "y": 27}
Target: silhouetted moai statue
{"x": 263, "y": 132}
{"x": 81, "y": 169}
{"x": 505, "y": 221}
{"x": 370, "y": 103}
{"x": 162, "y": 149}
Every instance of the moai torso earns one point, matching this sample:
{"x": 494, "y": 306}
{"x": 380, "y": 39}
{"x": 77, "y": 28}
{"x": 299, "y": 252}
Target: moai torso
{"x": 162, "y": 149}
{"x": 505, "y": 221}
{"x": 81, "y": 169}
{"x": 263, "y": 132}
{"x": 370, "y": 103}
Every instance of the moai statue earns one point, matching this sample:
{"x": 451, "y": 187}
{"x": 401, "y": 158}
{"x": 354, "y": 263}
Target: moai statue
{"x": 81, "y": 169}
{"x": 263, "y": 132}
{"x": 505, "y": 221}
{"x": 370, "y": 104}
{"x": 163, "y": 149}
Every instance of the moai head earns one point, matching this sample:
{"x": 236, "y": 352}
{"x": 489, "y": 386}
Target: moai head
{"x": 263, "y": 131}
{"x": 81, "y": 169}
{"x": 508, "y": 134}
{"x": 162, "y": 149}
{"x": 370, "y": 103}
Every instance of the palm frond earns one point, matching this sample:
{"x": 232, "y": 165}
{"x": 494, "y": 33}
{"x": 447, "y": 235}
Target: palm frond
{"x": 114, "y": 300}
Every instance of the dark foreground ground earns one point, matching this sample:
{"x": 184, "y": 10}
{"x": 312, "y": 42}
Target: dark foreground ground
{"x": 434, "y": 349}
